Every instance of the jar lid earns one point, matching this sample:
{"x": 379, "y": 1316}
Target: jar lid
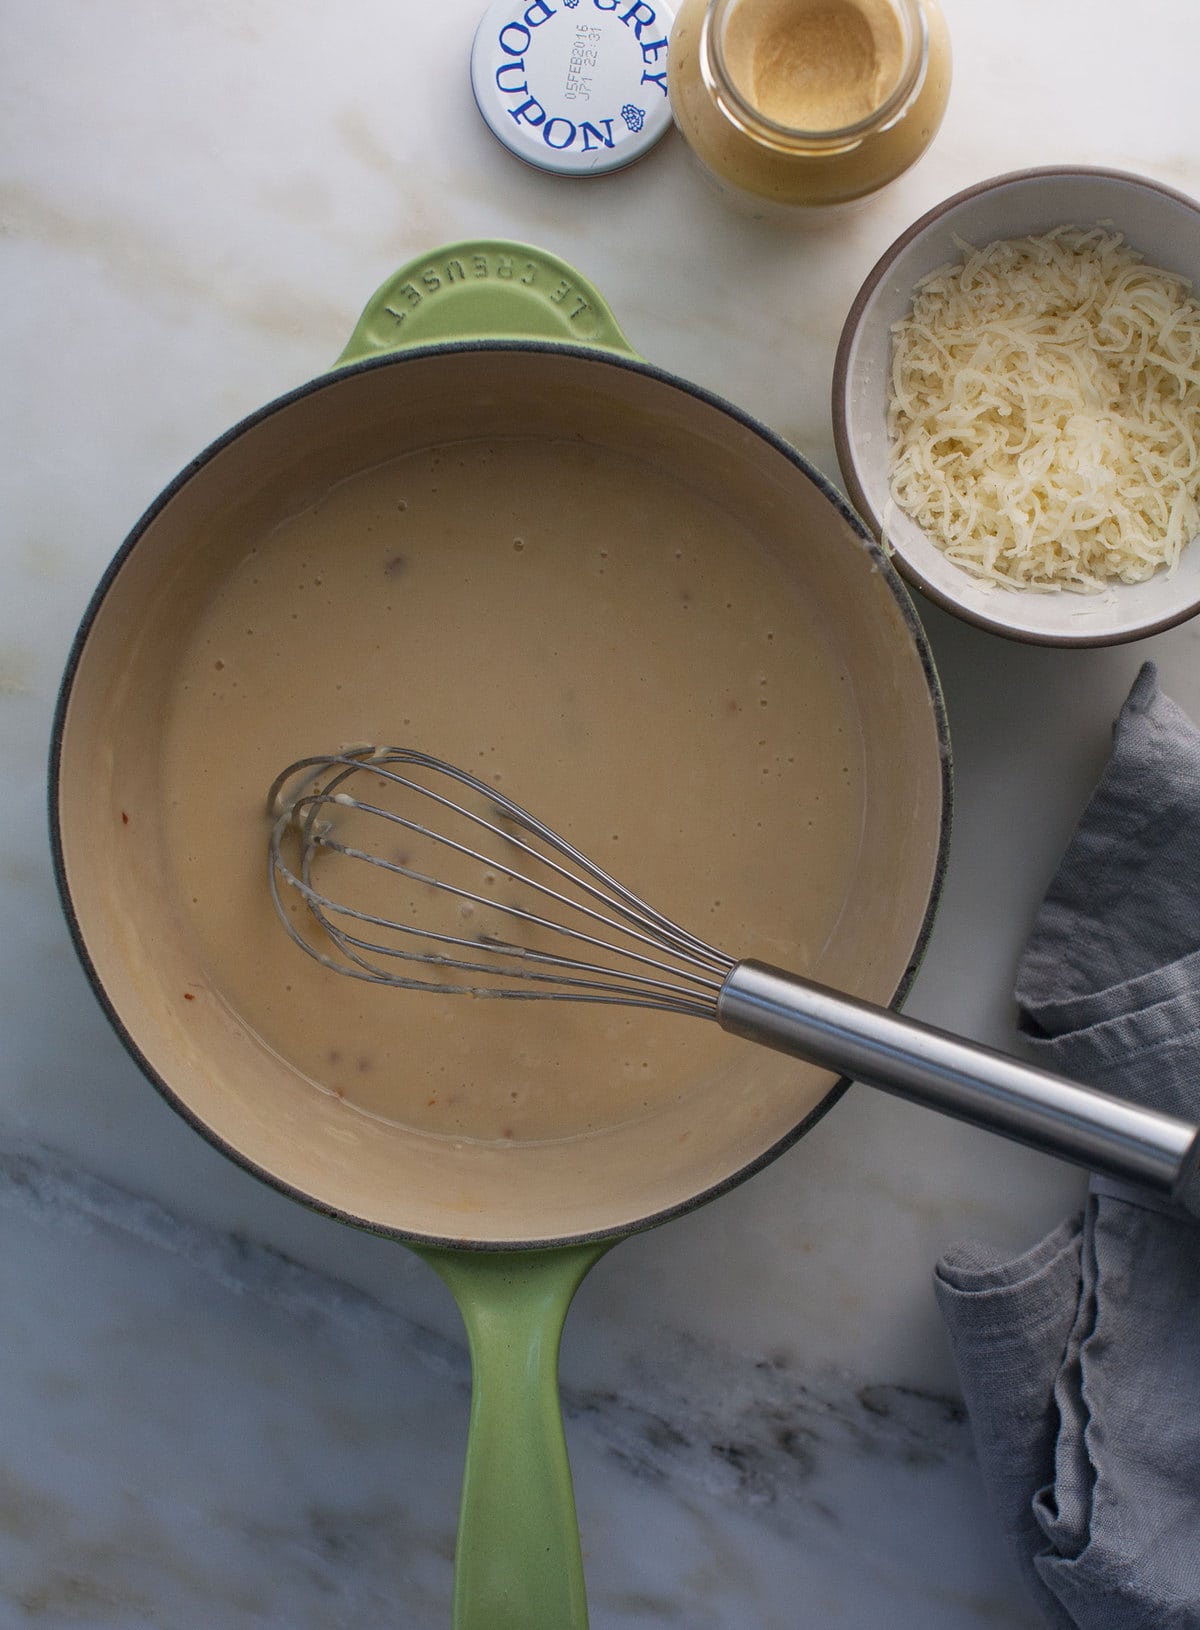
{"x": 578, "y": 87}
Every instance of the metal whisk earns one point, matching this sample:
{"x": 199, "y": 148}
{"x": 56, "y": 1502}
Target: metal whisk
{"x": 606, "y": 945}
{"x": 432, "y": 880}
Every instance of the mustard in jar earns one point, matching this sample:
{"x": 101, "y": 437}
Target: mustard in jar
{"x": 808, "y": 102}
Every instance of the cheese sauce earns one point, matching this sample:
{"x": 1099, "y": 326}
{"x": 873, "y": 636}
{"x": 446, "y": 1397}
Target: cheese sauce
{"x": 610, "y": 649}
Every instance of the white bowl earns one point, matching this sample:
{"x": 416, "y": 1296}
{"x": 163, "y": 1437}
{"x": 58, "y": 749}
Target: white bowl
{"x": 1165, "y": 227}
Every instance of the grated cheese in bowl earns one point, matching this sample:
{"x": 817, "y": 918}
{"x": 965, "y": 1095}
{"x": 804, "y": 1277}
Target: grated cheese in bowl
{"x": 1044, "y": 416}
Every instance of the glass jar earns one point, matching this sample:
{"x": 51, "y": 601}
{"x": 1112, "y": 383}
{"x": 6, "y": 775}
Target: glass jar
{"x": 808, "y": 102}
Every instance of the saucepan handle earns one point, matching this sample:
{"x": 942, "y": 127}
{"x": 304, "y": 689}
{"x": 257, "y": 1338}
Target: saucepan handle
{"x": 484, "y": 289}
{"x": 518, "y": 1564}
{"x": 987, "y": 1088}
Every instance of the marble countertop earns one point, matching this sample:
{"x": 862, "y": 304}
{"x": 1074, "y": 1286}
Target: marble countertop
{"x": 223, "y": 1410}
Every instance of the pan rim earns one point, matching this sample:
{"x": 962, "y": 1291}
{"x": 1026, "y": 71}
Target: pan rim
{"x": 595, "y": 356}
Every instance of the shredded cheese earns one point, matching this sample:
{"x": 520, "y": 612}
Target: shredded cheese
{"x": 1044, "y": 418}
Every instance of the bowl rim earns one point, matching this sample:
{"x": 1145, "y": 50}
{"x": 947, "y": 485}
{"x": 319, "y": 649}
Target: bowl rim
{"x": 844, "y": 445}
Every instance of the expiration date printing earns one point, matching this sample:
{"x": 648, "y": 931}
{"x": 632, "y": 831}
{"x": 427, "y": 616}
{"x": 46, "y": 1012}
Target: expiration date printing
{"x": 581, "y": 65}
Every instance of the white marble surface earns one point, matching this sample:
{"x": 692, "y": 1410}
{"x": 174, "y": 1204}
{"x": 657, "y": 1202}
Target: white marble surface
{"x": 221, "y": 1410}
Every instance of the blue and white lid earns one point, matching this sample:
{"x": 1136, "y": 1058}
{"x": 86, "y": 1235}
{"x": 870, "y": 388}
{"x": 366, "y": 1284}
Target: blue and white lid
{"x": 578, "y": 87}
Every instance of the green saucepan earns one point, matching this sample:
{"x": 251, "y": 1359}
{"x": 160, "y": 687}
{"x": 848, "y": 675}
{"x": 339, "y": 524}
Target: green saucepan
{"x": 472, "y": 341}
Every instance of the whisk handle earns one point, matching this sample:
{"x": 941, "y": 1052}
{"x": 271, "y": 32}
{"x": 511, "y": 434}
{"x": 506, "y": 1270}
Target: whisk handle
{"x": 977, "y": 1084}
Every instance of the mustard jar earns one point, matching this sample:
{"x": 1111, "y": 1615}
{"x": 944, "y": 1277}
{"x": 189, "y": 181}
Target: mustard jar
{"x": 808, "y": 102}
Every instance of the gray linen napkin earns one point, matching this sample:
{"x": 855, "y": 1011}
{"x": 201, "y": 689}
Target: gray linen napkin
{"x": 1080, "y": 1360}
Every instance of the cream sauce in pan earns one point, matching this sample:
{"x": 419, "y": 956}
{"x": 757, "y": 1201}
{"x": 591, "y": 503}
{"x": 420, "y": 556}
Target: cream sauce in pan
{"x": 609, "y": 648}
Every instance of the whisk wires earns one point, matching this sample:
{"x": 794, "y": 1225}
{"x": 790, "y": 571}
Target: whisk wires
{"x": 393, "y": 825}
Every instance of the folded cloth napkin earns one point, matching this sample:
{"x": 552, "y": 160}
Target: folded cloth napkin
{"x": 1080, "y": 1361}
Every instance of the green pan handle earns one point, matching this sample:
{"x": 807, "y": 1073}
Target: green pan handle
{"x": 517, "y": 1564}
{"x": 484, "y": 289}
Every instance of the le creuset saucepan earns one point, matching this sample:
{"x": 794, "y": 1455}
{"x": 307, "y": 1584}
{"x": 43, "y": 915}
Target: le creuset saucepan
{"x": 486, "y": 357}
